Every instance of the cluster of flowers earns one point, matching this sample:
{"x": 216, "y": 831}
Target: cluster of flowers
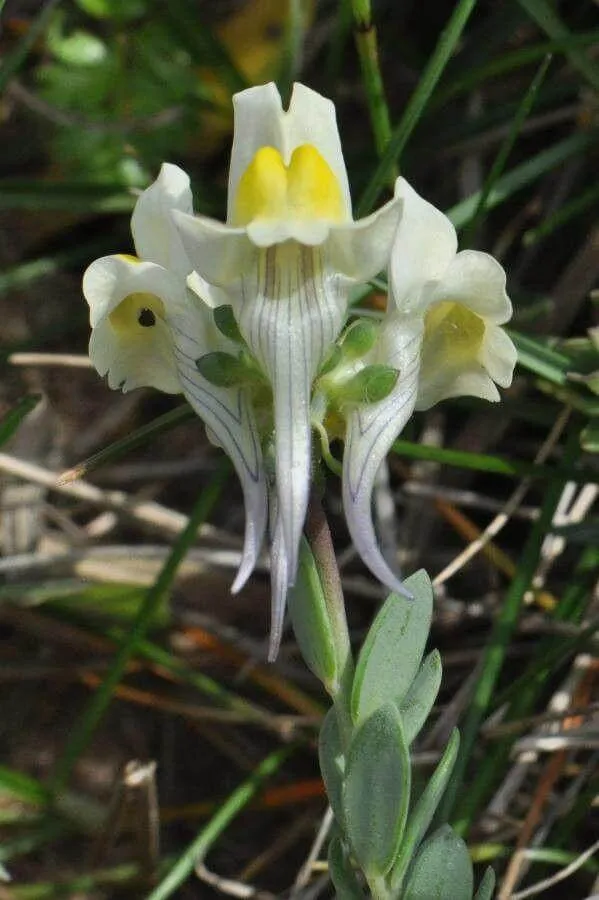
{"x": 251, "y": 320}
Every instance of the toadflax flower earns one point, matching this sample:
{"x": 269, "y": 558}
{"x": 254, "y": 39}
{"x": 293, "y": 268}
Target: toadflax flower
{"x": 286, "y": 259}
{"x": 442, "y": 333}
{"x": 149, "y": 327}
{"x": 249, "y": 320}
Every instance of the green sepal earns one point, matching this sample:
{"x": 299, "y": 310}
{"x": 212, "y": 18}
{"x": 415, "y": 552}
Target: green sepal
{"x": 422, "y": 815}
{"x": 332, "y": 762}
{"x": 359, "y": 338}
{"x": 418, "y": 702}
{"x": 442, "y": 869}
{"x": 311, "y": 621}
{"x": 225, "y": 370}
{"x": 376, "y": 791}
{"x": 391, "y": 654}
{"x": 225, "y": 321}
{"x": 343, "y": 875}
{"x": 487, "y": 885}
{"x": 331, "y": 362}
{"x": 371, "y": 385}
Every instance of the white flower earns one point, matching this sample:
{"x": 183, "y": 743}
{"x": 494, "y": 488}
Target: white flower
{"x": 148, "y": 328}
{"x": 442, "y": 332}
{"x": 286, "y": 258}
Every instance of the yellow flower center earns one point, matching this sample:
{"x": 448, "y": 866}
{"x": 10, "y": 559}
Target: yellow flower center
{"x": 137, "y": 313}
{"x": 306, "y": 189}
{"x": 454, "y": 331}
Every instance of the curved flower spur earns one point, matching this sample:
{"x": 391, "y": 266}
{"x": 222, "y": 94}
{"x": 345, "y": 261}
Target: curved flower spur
{"x": 442, "y": 333}
{"x": 286, "y": 259}
{"x": 148, "y": 329}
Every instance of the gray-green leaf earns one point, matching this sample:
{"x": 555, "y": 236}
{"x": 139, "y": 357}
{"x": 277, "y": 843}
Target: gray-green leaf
{"x": 311, "y": 622}
{"x": 442, "y": 869}
{"x": 487, "y": 886}
{"x": 421, "y": 816}
{"x": 342, "y": 873}
{"x": 376, "y": 792}
{"x": 393, "y": 649}
{"x": 332, "y": 762}
{"x": 418, "y": 702}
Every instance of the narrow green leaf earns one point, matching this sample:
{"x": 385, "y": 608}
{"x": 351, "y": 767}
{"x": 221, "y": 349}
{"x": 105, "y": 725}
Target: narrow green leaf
{"x": 311, "y": 623}
{"x": 343, "y": 874}
{"x": 11, "y": 420}
{"x": 522, "y": 113}
{"x": 442, "y": 869}
{"x": 84, "y": 729}
{"x": 225, "y": 321}
{"x": 332, "y": 762}
{"x": 418, "y": 702}
{"x": 71, "y": 196}
{"x": 391, "y": 654}
{"x": 547, "y": 19}
{"x": 421, "y": 817}
{"x": 416, "y": 106}
{"x": 232, "y": 806}
{"x": 523, "y": 175}
{"x": 25, "y": 788}
{"x": 376, "y": 792}
{"x": 487, "y": 885}
{"x": 138, "y": 438}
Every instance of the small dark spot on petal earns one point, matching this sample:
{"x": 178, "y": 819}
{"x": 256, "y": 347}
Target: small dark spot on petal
{"x": 146, "y": 318}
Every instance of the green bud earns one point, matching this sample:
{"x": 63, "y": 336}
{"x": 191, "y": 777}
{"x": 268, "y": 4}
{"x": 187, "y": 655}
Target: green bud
{"x": 359, "y": 339}
{"x": 372, "y": 384}
{"x": 225, "y": 321}
{"x": 226, "y": 370}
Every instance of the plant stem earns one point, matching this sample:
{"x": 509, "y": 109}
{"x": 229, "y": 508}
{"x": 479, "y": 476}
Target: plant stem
{"x": 367, "y": 46}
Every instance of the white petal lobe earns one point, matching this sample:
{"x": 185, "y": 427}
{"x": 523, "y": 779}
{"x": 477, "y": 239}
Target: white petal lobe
{"x": 371, "y": 430}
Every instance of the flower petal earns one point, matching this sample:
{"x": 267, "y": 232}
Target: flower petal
{"x": 260, "y": 121}
{"x": 360, "y": 250}
{"x": 477, "y": 281}
{"x": 498, "y": 355}
{"x": 425, "y": 244}
{"x": 371, "y": 430}
{"x": 218, "y": 252}
{"x": 228, "y": 414}
{"x": 154, "y": 234}
{"x": 289, "y": 312}
{"x": 279, "y": 585}
{"x": 131, "y": 355}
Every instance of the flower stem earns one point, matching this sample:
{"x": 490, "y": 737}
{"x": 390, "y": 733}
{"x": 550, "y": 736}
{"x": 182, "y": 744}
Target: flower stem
{"x": 318, "y": 535}
{"x": 367, "y": 46}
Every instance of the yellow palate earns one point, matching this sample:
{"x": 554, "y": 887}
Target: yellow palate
{"x": 457, "y": 332}
{"x": 306, "y": 189}
{"x": 136, "y": 313}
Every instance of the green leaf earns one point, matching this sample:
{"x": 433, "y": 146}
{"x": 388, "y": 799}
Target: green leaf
{"x": 393, "y": 649}
{"x": 421, "y": 816}
{"x": 487, "y": 886}
{"x": 589, "y": 437}
{"x": 417, "y": 103}
{"x": 359, "y": 338}
{"x": 376, "y": 792}
{"x": 311, "y": 622}
{"x": 418, "y": 702}
{"x": 370, "y": 385}
{"x": 442, "y": 869}
{"x": 11, "y": 420}
{"x": 79, "y": 48}
{"x": 225, "y": 321}
{"x": 225, "y": 370}
{"x": 120, "y": 10}
{"x": 343, "y": 874}
{"x": 332, "y": 762}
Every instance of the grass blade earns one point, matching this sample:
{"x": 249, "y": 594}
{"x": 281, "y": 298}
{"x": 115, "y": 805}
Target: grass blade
{"x": 13, "y": 418}
{"x": 85, "y": 727}
{"x": 428, "y": 80}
